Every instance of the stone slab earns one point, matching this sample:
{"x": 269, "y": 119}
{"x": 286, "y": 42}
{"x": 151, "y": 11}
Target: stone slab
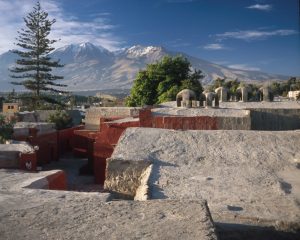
{"x": 93, "y": 115}
{"x": 22, "y": 127}
{"x": 10, "y": 154}
{"x": 43, "y": 214}
{"x": 239, "y": 173}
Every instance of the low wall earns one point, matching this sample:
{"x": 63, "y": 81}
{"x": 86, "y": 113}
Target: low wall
{"x": 43, "y": 115}
{"x": 105, "y": 141}
{"x": 271, "y": 119}
{"x": 93, "y": 115}
{"x": 52, "y": 180}
{"x": 203, "y": 122}
{"x": 18, "y": 156}
{"x": 80, "y": 142}
{"x": 48, "y": 147}
{"x": 65, "y": 137}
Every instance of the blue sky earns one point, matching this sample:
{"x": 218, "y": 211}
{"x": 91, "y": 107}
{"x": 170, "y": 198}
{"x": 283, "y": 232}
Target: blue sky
{"x": 245, "y": 34}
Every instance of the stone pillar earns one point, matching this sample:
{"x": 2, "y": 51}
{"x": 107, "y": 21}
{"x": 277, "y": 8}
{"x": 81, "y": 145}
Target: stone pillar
{"x": 195, "y": 104}
{"x": 266, "y": 95}
{"x": 209, "y": 99}
{"x": 186, "y": 103}
{"x": 222, "y": 93}
{"x": 216, "y": 101}
{"x": 244, "y": 94}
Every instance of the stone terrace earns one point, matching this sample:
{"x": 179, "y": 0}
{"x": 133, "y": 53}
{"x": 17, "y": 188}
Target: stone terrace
{"x": 27, "y": 213}
{"x": 247, "y": 177}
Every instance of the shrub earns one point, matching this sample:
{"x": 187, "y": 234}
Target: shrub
{"x": 61, "y": 119}
{"x": 6, "y": 129}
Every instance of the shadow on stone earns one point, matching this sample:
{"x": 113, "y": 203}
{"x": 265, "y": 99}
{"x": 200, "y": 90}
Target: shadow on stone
{"x": 234, "y": 208}
{"x": 227, "y": 231}
{"x": 286, "y": 187}
{"x": 156, "y": 191}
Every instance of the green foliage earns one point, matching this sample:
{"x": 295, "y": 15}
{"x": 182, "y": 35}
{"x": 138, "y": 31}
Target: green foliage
{"x": 6, "y": 129}
{"x": 61, "y": 119}
{"x": 34, "y": 64}
{"x": 43, "y": 102}
{"x": 219, "y": 82}
{"x": 162, "y": 81}
{"x": 282, "y": 88}
{"x": 2, "y": 99}
{"x": 231, "y": 85}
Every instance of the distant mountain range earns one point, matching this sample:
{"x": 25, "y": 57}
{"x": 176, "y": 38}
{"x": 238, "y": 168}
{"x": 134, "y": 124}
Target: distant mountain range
{"x": 90, "y": 67}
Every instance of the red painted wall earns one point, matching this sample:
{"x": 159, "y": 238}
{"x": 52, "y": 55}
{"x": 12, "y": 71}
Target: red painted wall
{"x": 65, "y": 138}
{"x": 28, "y": 161}
{"x": 177, "y": 122}
{"x": 57, "y": 181}
{"x": 48, "y": 147}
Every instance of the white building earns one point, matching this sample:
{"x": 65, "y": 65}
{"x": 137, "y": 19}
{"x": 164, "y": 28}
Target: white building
{"x": 293, "y": 94}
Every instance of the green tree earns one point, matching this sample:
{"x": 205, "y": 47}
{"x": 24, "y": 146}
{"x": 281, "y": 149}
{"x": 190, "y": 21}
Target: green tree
{"x": 11, "y": 97}
{"x": 34, "y": 65}
{"x": 162, "y": 81}
{"x": 61, "y": 119}
{"x": 219, "y": 82}
{"x": 6, "y": 129}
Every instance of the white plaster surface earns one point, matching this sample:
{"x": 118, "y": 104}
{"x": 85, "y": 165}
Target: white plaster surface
{"x": 21, "y": 147}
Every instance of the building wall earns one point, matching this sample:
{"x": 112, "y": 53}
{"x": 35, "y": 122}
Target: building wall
{"x": 195, "y": 122}
{"x": 10, "y": 107}
{"x": 275, "y": 119}
{"x": 93, "y": 115}
{"x": 293, "y": 94}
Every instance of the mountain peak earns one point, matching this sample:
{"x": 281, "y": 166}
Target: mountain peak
{"x": 84, "y": 46}
{"x": 88, "y": 66}
{"x": 139, "y": 50}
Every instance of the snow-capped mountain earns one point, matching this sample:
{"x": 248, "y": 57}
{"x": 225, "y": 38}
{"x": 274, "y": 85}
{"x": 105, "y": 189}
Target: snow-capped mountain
{"x": 90, "y": 67}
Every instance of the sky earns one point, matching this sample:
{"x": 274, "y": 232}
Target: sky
{"x": 244, "y": 34}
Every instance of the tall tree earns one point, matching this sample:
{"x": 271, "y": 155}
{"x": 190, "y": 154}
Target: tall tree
{"x": 161, "y": 81}
{"x": 34, "y": 64}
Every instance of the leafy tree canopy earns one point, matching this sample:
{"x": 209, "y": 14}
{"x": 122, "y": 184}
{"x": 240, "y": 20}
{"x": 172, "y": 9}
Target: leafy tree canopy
{"x": 161, "y": 81}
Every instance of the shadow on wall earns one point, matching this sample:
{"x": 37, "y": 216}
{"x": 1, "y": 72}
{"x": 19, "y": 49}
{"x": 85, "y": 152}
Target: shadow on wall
{"x": 155, "y": 190}
{"x": 275, "y": 119}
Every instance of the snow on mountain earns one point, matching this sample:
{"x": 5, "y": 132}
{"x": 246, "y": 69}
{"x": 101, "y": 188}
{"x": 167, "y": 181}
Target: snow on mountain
{"x": 140, "y": 51}
{"x": 90, "y": 67}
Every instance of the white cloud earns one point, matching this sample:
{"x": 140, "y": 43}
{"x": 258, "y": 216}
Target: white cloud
{"x": 262, "y": 7}
{"x": 245, "y": 67}
{"x": 214, "y": 46}
{"x": 250, "y": 35}
{"x": 67, "y": 27}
